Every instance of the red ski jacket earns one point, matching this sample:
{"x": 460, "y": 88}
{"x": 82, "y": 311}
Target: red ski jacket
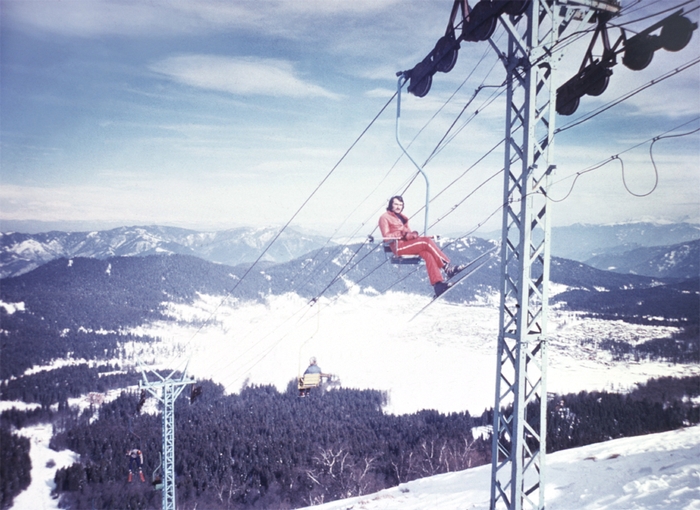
{"x": 392, "y": 227}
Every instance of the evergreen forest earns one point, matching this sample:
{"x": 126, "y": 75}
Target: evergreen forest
{"x": 262, "y": 448}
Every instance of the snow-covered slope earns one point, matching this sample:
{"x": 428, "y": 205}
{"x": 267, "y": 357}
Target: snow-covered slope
{"x": 367, "y": 341}
{"x": 657, "y": 471}
{"x": 45, "y": 462}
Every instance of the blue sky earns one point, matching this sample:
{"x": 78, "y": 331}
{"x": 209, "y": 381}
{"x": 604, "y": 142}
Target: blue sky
{"x": 213, "y": 114}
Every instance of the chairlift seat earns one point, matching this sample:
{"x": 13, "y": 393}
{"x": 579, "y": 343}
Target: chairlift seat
{"x": 399, "y": 259}
{"x": 308, "y": 381}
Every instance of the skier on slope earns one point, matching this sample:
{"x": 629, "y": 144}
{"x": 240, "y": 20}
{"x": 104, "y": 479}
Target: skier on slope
{"x": 404, "y": 241}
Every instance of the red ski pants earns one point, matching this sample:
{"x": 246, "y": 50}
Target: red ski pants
{"x": 434, "y": 258}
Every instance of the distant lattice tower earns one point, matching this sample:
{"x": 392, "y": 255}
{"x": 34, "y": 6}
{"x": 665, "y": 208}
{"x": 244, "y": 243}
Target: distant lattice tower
{"x": 166, "y": 390}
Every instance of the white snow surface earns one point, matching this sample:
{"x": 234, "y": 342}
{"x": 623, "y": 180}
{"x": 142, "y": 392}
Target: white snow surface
{"x": 45, "y": 462}
{"x": 367, "y": 341}
{"x": 11, "y": 308}
{"x": 656, "y": 471}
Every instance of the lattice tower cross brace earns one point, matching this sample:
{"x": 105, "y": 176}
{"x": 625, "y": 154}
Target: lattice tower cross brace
{"x": 519, "y": 439}
{"x": 166, "y": 390}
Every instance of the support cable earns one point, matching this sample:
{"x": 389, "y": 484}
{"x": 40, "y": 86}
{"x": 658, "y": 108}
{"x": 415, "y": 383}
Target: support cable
{"x": 435, "y": 151}
{"x": 658, "y": 13}
{"x": 286, "y": 225}
{"x": 601, "y": 164}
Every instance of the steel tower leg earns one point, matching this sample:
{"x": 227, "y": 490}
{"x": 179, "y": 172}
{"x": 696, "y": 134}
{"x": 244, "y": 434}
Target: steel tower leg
{"x": 519, "y": 433}
{"x": 518, "y": 473}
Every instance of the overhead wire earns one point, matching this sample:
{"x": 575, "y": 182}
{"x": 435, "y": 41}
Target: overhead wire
{"x": 651, "y": 155}
{"x": 617, "y": 156}
{"x": 420, "y": 131}
{"x": 440, "y": 144}
{"x": 655, "y": 14}
{"x": 467, "y": 104}
{"x": 595, "y": 167}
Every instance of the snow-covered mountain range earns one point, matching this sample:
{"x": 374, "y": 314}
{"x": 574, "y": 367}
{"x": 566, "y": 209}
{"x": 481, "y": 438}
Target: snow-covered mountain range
{"x": 212, "y": 307}
{"x": 20, "y": 253}
{"x": 669, "y": 250}
{"x": 582, "y": 242}
{"x": 680, "y": 260}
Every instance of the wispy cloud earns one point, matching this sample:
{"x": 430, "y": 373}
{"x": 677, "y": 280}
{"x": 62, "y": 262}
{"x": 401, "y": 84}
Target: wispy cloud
{"x": 240, "y": 76}
{"x": 90, "y": 18}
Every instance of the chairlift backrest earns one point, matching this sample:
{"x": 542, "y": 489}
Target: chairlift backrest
{"x": 309, "y": 381}
{"x": 156, "y": 478}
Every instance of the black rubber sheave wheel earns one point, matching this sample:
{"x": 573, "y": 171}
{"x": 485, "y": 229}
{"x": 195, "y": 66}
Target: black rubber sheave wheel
{"x": 516, "y": 7}
{"x": 446, "y": 54}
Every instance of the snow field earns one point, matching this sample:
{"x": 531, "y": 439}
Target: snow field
{"x": 652, "y": 472}
{"x": 445, "y": 359}
{"x": 45, "y": 462}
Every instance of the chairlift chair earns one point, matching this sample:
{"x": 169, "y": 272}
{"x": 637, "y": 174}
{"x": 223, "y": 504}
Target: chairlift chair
{"x": 399, "y": 259}
{"x": 156, "y": 478}
{"x": 389, "y": 244}
{"x": 308, "y": 381}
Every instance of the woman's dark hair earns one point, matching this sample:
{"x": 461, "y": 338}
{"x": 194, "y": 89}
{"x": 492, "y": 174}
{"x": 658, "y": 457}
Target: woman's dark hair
{"x": 391, "y": 201}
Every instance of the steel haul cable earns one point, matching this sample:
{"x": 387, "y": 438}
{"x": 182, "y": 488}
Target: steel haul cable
{"x": 434, "y": 152}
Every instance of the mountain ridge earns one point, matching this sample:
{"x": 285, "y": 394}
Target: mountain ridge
{"x": 20, "y": 253}
{"x": 582, "y": 241}
{"x": 675, "y": 261}
{"x": 109, "y": 295}
{"x": 642, "y": 248}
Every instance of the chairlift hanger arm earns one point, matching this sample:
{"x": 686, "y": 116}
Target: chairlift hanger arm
{"x": 601, "y": 31}
{"x": 401, "y": 81}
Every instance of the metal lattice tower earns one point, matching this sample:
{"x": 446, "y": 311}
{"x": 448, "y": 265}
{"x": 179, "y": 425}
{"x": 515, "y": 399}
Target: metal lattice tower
{"x": 166, "y": 390}
{"x": 519, "y": 438}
